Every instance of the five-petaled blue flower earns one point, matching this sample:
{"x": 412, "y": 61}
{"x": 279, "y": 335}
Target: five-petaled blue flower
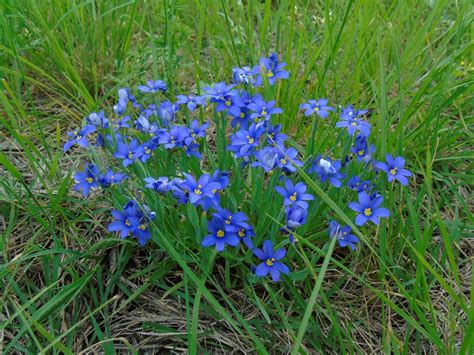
{"x": 368, "y": 209}
{"x": 319, "y": 107}
{"x": 294, "y": 194}
{"x": 287, "y": 159}
{"x": 356, "y": 184}
{"x": 394, "y": 167}
{"x": 271, "y": 261}
{"x": 263, "y": 110}
{"x": 362, "y": 150}
{"x": 343, "y": 235}
{"x": 153, "y": 86}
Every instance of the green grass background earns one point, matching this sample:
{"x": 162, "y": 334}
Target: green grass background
{"x": 66, "y": 286}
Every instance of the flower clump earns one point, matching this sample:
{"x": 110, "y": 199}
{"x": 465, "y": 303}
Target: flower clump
{"x": 223, "y": 153}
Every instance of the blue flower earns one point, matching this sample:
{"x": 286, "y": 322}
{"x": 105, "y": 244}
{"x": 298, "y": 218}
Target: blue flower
{"x": 274, "y": 135}
{"x": 144, "y": 151}
{"x": 167, "y": 112}
{"x": 271, "y": 261}
{"x": 271, "y": 69}
{"x": 294, "y": 194}
{"x": 198, "y": 131}
{"x": 343, "y": 235}
{"x": 132, "y": 221}
{"x": 356, "y": 184}
{"x": 295, "y": 216}
{"x": 362, "y": 150}
{"x": 244, "y": 142}
{"x": 318, "y": 107}
{"x": 159, "y": 185}
{"x": 111, "y": 178}
{"x": 219, "y": 236}
{"x": 243, "y": 75}
{"x": 118, "y": 123}
{"x": 79, "y": 137}
{"x": 266, "y": 159}
{"x": 98, "y": 119}
{"x": 121, "y": 105}
{"x": 153, "y": 86}
{"x": 368, "y": 209}
{"x": 191, "y": 101}
{"x": 87, "y": 179}
{"x": 351, "y": 121}
{"x": 201, "y": 192}
{"x": 327, "y": 169}
{"x": 175, "y": 137}
{"x": 286, "y": 159}
{"x": 128, "y": 152}
{"x": 236, "y": 223}
{"x": 263, "y": 110}
{"x": 218, "y": 92}
{"x": 395, "y": 169}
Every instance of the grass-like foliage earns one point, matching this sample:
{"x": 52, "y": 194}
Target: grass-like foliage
{"x": 313, "y": 200}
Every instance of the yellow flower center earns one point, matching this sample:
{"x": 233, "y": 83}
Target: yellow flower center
{"x": 172, "y": 140}
{"x": 242, "y": 115}
{"x": 368, "y": 212}
{"x": 220, "y": 233}
{"x": 283, "y": 161}
{"x": 147, "y": 150}
{"x": 270, "y": 262}
{"x": 361, "y": 152}
{"x": 130, "y": 155}
{"x": 127, "y": 223}
{"x": 228, "y": 102}
{"x": 197, "y": 191}
{"x": 142, "y": 227}
{"x": 78, "y": 136}
{"x": 193, "y": 134}
{"x": 270, "y": 74}
{"x": 316, "y": 109}
{"x": 354, "y": 124}
{"x": 394, "y": 171}
{"x": 89, "y": 180}
{"x": 214, "y": 191}
{"x": 293, "y": 197}
{"x": 264, "y": 112}
{"x": 241, "y": 233}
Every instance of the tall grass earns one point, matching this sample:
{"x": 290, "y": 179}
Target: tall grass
{"x": 68, "y": 286}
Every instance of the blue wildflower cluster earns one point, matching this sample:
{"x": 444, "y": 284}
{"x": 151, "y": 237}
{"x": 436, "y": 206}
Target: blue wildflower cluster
{"x": 174, "y": 139}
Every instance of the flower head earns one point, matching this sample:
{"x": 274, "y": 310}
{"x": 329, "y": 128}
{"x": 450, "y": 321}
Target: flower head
{"x": 271, "y": 69}
{"x": 319, "y": 107}
{"x": 243, "y": 142}
{"x": 219, "y": 236}
{"x": 87, "y": 179}
{"x": 394, "y": 167}
{"x": 191, "y": 101}
{"x": 343, "y": 235}
{"x": 368, "y": 209}
{"x": 153, "y": 86}
{"x": 127, "y": 152}
{"x": 266, "y": 159}
{"x": 201, "y": 192}
{"x": 328, "y": 170}
{"x": 132, "y": 220}
{"x": 295, "y": 216}
{"x": 111, "y": 178}
{"x": 79, "y": 137}
{"x": 262, "y": 109}
{"x": 159, "y": 185}
{"x": 271, "y": 261}
{"x": 287, "y": 159}
{"x": 294, "y": 194}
